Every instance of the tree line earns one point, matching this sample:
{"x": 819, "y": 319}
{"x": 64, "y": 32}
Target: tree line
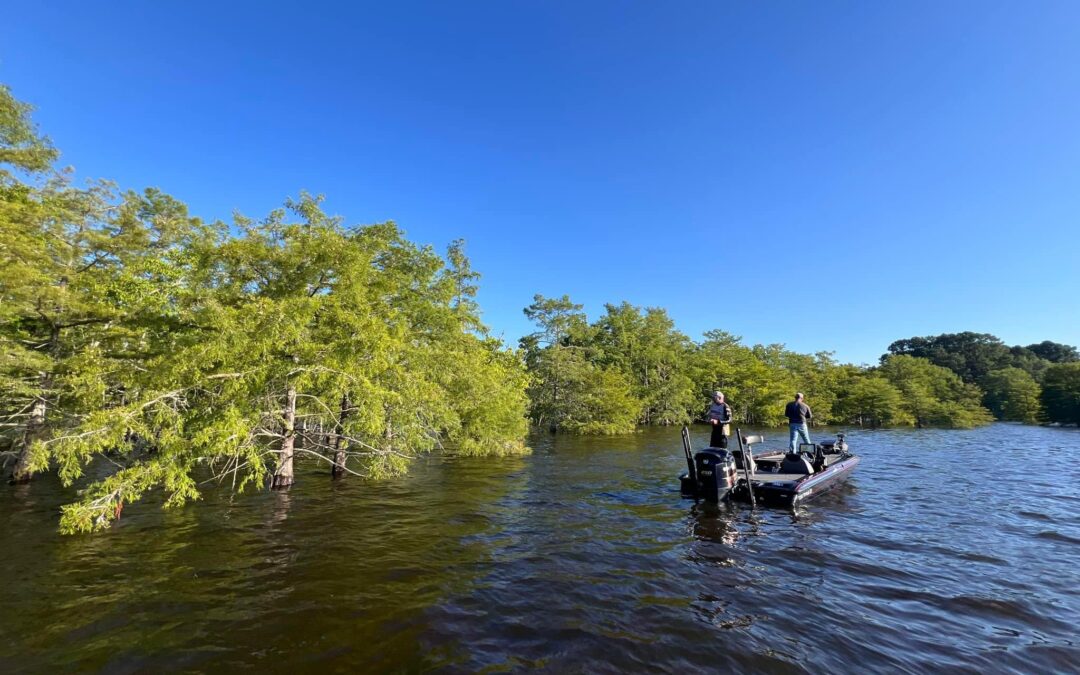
{"x": 1036, "y": 383}
{"x": 170, "y": 352}
{"x": 146, "y": 349}
{"x": 631, "y": 366}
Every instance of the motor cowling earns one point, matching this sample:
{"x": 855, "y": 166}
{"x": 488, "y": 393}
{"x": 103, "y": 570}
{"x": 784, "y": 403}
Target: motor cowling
{"x": 715, "y": 469}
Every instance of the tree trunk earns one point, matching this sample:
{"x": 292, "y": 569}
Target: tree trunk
{"x": 339, "y": 444}
{"x": 283, "y": 477}
{"x": 36, "y": 426}
{"x": 21, "y": 473}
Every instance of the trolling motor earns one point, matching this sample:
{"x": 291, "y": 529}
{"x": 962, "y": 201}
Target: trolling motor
{"x": 816, "y": 452}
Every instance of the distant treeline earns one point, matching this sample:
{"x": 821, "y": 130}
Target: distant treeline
{"x": 632, "y": 366}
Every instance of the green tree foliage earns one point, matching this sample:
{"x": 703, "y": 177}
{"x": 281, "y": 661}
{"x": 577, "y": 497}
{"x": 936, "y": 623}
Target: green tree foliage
{"x": 970, "y": 355}
{"x": 650, "y": 353}
{"x": 188, "y": 353}
{"x": 572, "y": 389}
{"x": 1028, "y": 361}
{"x": 27, "y": 355}
{"x": 80, "y": 279}
{"x": 755, "y": 389}
{"x": 1055, "y": 352}
{"x": 667, "y": 378}
{"x": 933, "y": 395}
{"x": 870, "y": 400}
{"x": 758, "y": 381}
{"x": 306, "y": 339}
{"x": 973, "y": 356}
{"x": 985, "y": 360}
{"x": 1061, "y": 393}
{"x": 596, "y": 400}
{"x": 21, "y": 146}
{"x": 1012, "y": 394}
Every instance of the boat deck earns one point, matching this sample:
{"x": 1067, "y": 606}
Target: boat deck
{"x": 769, "y": 477}
{"x": 764, "y": 475}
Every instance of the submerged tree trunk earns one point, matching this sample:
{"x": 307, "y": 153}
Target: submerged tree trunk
{"x": 36, "y": 426}
{"x": 21, "y": 472}
{"x": 283, "y": 477}
{"x": 339, "y": 443}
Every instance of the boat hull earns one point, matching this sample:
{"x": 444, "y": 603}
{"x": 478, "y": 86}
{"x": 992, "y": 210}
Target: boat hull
{"x": 792, "y": 493}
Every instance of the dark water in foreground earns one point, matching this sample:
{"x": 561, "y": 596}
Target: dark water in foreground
{"x": 940, "y": 554}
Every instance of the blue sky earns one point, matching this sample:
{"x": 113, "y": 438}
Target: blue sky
{"x": 832, "y": 176}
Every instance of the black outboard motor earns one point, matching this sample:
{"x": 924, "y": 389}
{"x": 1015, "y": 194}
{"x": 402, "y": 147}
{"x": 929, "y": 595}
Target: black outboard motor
{"x": 715, "y": 468}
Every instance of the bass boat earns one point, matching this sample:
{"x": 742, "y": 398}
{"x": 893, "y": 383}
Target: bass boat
{"x": 771, "y": 477}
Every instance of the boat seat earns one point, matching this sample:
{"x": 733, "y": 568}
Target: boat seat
{"x": 738, "y": 455}
{"x": 796, "y": 463}
{"x": 746, "y": 444}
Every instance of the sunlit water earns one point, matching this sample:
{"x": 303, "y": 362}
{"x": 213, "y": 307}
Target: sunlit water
{"x": 947, "y": 550}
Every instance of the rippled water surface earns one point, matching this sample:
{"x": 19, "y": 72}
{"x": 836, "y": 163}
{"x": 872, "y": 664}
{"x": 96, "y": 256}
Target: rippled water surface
{"x": 947, "y": 550}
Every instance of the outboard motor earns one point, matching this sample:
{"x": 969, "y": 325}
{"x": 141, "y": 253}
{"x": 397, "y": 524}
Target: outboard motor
{"x": 715, "y": 468}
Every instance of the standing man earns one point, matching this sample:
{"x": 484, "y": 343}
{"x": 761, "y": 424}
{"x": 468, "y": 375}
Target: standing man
{"x": 798, "y": 414}
{"x": 719, "y": 416}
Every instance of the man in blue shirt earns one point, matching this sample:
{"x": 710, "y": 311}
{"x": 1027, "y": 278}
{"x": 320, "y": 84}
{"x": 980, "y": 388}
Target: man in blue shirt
{"x": 798, "y": 414}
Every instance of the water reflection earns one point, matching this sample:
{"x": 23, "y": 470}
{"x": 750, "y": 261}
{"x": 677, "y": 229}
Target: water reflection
{"x": 714, "y": 522}
{"x": 279, "y": 512}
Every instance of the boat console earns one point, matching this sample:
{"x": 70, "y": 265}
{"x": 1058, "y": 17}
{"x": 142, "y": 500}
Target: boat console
{"x": 796, "y": 463}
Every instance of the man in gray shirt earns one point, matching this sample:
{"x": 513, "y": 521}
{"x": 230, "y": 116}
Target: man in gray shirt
{"x": 798, "y": 414}
{"x": 719, "y": 416}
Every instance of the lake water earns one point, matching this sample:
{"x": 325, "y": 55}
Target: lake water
{"x": 947, "y": 550}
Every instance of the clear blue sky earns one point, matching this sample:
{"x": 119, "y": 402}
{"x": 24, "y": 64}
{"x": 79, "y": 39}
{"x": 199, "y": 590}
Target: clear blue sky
{"x": 832, "y": 176}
